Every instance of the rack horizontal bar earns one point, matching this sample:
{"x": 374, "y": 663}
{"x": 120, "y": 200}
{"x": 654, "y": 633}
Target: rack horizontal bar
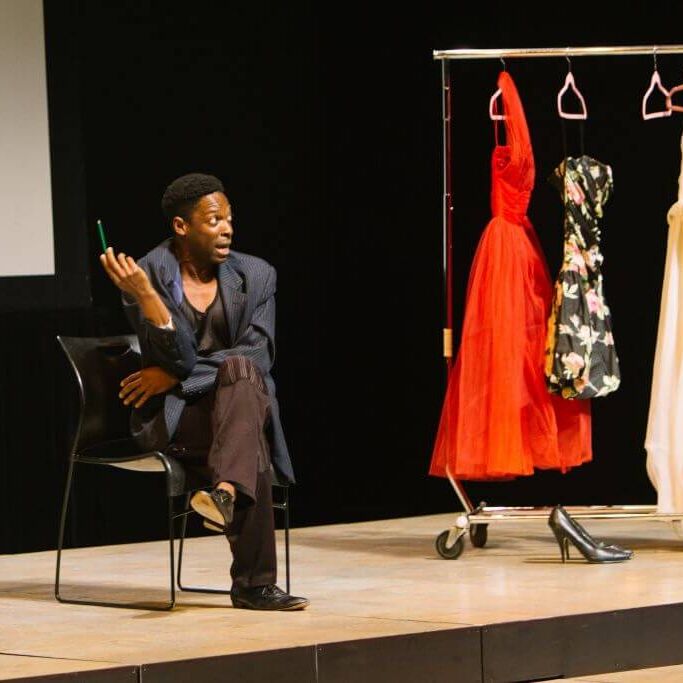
{"x": 599, "y": 51}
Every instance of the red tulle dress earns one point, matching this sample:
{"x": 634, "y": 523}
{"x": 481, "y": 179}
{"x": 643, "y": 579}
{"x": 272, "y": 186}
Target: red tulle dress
{"x": 498, "y": 419}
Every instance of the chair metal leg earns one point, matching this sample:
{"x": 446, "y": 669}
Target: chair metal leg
{"x": 62, "y": 525}
{"x": 171, "y": 546}
{"x": 286, "y": 508}
{"x": 183, "y": 528}
{"x": 98, "y": 603}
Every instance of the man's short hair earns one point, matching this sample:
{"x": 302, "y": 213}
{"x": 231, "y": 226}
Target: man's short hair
{"x": 181, "y": 196}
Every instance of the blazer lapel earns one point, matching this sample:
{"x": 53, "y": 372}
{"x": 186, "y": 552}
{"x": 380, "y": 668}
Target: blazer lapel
{"x": 234, "y": 300}
{"x": 230, "y": 281}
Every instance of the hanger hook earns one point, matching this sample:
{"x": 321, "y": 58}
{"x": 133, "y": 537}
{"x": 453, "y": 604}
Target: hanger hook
{"x": 502, "y": 61}
{"x": 654, "y": 56}
{"x": 569, "y": 62}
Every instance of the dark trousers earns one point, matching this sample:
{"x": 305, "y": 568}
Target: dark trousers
{"x": 225, "y": 429}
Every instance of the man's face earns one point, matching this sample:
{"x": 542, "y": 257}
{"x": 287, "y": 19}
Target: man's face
{"x": 208, "y": 233}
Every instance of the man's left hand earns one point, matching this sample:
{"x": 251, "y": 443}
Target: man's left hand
{"x": 139, "y": 387}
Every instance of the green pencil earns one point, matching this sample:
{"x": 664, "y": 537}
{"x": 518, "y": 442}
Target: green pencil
{"x": 100, "y": 230}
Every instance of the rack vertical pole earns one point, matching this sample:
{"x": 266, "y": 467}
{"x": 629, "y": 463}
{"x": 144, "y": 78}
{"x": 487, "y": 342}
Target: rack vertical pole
{"x": 447, "y": 265}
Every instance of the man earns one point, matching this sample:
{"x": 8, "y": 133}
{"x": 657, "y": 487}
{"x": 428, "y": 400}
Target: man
{"x": 205, "y": 319}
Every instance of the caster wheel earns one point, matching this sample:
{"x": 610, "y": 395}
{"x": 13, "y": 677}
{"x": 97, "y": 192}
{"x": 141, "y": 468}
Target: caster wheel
{"x": 452, "y": 553}
{"x": 479, "y": 535}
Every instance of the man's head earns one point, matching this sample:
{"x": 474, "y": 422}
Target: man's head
{"x": 200, "y": 215}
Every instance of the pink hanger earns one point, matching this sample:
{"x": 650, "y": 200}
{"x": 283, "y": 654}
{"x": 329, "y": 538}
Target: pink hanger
{"x": 493, "y": 106}
{"x": 570, "y": 83}
{"x": 669, "y": 104}
{"x": 655, "y": 81}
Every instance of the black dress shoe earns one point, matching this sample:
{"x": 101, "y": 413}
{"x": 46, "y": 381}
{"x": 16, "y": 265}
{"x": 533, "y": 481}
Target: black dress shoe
{"x": 266, "y": 598}
{"x": 217, "y": 506}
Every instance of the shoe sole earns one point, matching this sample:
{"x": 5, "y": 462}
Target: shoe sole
{"x": 213, "y": 527}
{"x": 202, "y": 503}
{"x": 218, "y": 529}
{"x": 238, "y": 604}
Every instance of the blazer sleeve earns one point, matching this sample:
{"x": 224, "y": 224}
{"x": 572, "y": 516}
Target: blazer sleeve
{"x": 256, "y": 343}
{"x": 174, "y": 350}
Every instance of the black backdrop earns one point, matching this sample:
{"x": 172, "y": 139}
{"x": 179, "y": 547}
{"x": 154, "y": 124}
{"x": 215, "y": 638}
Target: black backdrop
{"x": 326, "y": 131}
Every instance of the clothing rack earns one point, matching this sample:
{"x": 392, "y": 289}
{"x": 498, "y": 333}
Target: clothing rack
{"x": 475, "y": 519}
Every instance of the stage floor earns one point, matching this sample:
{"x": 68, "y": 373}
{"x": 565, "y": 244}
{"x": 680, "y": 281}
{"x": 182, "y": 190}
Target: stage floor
{"x": 662, "y": 674}
{"x": 503, "y": 610}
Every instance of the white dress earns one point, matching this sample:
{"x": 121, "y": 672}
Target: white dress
{"x": 664, "y": 440}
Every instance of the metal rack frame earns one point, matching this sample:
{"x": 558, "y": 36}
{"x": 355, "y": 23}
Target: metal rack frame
{"x": 475, "y": 519}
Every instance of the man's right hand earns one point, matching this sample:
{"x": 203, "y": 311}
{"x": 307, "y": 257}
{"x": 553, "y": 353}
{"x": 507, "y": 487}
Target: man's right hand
{"x": 142, "y": 385}
{"x": 126, "y": 274}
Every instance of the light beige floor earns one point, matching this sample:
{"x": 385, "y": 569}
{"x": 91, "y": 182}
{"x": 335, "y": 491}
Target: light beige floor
{"x": 663, "y": 674}
{"x": 364, "y": 580}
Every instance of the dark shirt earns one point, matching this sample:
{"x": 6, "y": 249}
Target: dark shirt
{"x": 210, "y": 327}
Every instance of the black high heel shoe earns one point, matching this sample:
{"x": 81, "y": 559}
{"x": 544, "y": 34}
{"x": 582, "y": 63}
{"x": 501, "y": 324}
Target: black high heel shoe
{"x": 566, "y": 533}
{"x": 584, "y": 533}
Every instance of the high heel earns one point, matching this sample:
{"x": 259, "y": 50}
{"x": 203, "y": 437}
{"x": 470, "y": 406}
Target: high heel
{"x": 584, "y": 533}
{"x": 565, "y": 532}
{"x": 563, "y": 542}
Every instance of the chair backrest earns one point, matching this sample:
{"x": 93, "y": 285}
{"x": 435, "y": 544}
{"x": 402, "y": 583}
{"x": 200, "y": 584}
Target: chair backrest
{"x": 100, "y": 363}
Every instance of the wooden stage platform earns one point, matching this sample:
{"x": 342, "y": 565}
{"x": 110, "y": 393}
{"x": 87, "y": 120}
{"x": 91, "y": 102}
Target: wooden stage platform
{"x": 384, "y": 607}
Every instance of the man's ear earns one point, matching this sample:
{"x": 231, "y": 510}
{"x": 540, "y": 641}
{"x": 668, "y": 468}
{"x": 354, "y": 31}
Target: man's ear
{"x": 179, "y": 226}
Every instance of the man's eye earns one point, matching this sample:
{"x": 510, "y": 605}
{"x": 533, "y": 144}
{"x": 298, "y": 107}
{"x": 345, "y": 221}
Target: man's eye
{"x": 213, "y": 220}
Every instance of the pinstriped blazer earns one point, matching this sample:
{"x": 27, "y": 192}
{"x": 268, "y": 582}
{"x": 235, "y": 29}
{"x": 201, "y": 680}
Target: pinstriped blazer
{"x": 247, "y": 285}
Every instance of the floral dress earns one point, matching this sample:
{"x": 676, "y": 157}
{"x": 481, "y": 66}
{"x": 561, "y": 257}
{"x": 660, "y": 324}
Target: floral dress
{"x": 581, "y": 361}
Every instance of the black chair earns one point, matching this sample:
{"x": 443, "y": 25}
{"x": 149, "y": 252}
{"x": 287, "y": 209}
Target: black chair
{"x": 103, "y": 438}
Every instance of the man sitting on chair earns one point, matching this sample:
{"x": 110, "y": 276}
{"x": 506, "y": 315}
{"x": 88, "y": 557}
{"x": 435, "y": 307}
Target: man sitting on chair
{"x": 205, "y": 319}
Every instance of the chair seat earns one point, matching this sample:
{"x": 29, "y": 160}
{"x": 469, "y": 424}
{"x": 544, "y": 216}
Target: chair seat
{"x": 125, "y": 454}
{"x": 123, "y": 449}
